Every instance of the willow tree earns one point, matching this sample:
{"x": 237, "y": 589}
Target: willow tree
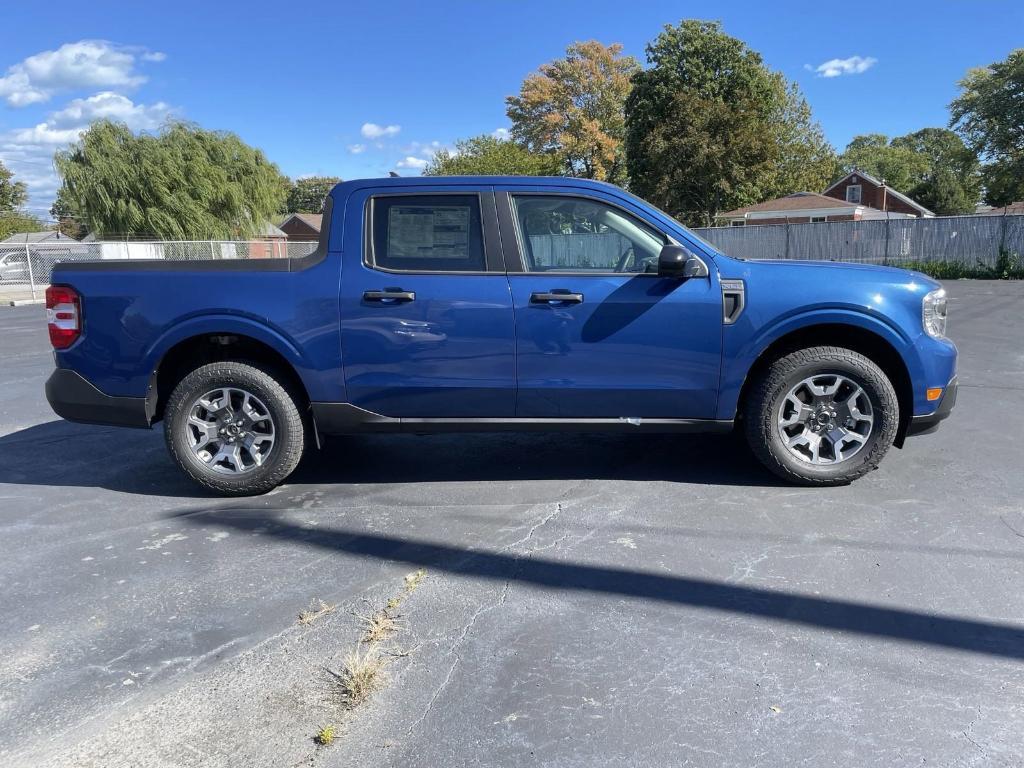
{"x": 182, "y": 183}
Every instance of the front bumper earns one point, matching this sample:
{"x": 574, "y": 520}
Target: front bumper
{"x": 73, "y": 398}
{"x": 929, "y": 422}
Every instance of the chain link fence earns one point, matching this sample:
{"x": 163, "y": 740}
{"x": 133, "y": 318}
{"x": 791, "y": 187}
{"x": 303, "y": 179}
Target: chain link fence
{"x": 25, "y": 268}
{"x": 968, "y": 240}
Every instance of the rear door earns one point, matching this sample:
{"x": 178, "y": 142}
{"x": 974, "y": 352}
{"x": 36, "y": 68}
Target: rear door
{"x": 599, "y": 334}
{"x": 427, "y": 327}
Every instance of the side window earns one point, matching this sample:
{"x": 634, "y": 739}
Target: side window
{"x": 427, "y": 233}
{"x": 575, "y": 234}
{"x": 853, "y": 193}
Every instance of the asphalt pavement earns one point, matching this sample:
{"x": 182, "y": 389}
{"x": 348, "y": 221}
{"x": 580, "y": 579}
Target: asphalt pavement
{"x": 587, "y": 600}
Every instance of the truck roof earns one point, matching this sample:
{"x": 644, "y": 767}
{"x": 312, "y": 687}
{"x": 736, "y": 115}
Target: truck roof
{"x": 346, "y": 187}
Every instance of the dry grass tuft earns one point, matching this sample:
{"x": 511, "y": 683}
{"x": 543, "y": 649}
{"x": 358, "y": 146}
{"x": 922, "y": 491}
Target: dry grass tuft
{"x": 361, "y": 674}
{"x": 378, "y": 626}
{"x": 412, "y": 580}
{"x": 325, "y": 736}
{"x": 317, "y": 609}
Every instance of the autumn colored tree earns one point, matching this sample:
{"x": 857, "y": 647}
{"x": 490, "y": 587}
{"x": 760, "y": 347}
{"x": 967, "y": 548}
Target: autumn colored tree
{"x": 573, "y": 108}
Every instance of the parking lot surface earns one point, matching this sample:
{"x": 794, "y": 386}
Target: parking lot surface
{"x": 587, "y": 600}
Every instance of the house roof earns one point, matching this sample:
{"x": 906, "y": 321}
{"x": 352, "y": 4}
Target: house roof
{"x": 1012, "y": 208}
{"x": 871, "y": 179}
{"x": 798, "y": 201}
{"x": 312, "y": 220}
{"x": 266, "y": 229}
{"x": 36, "y": 237}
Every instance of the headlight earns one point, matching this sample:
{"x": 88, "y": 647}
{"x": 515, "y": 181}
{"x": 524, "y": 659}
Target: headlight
{"x": 933, "y": 313}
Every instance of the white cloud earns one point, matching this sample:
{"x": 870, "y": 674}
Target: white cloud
{"x": 425, "y": 149}
{"x": 85, "y": 64}
{"x": 374, "y": 131}
{"x": 500, "y": 133}
{"x": 356, "y": 149}
{"x": 854, "y": 65}
{"x": 28, "y": 152}
{"x": 412, "y": 162}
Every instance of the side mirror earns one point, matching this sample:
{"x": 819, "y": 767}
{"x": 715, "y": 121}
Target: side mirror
{"x": 677, "y": 262}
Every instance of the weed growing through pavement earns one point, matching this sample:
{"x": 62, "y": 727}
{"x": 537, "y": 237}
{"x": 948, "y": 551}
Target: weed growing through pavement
{"x": 315, "y": 611}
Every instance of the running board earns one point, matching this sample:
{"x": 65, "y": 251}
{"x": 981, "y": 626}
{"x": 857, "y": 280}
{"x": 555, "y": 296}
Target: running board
{"x": 348, "y": 419}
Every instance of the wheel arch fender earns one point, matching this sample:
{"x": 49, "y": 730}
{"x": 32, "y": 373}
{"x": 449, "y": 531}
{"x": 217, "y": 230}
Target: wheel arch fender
{"x": 874, "y": 337}
{"x": 222, "y": 326}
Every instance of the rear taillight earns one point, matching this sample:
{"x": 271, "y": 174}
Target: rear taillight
{"x": 63, "y": 315}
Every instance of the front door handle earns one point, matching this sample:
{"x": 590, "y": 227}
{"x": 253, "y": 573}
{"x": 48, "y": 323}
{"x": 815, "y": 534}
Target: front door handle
{"x": 389, "y": 296}
{"x": 563, "y": 297}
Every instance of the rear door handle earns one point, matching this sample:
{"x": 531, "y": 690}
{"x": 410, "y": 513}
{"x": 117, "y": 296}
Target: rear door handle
{"x": 563, "y": 297}
{"x": 389, "y": 296}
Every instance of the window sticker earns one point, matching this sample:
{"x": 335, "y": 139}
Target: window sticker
{"x": 428, "y": 231}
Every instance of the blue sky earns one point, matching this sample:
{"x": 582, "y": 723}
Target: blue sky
{"x": 358, "y": 89}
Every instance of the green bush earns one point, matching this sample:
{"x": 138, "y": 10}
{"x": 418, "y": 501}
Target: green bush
{"x": 1009, "y": 266}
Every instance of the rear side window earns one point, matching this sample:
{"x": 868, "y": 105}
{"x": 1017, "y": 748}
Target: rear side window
{"x": 427, "y": 233}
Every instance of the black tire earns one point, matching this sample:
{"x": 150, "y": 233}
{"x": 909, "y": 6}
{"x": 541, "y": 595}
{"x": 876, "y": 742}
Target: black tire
{"x": 762, "y": 408}
{"x": 289, "y": 428}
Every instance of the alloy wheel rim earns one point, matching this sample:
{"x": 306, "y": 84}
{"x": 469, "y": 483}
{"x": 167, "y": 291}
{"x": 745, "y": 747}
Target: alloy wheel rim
{"x": 230, "y": 431}
{"x": 825, "y": 419}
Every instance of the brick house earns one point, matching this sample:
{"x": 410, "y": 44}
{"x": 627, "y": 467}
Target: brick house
{"x": 802, "y": 208}
{"x": 855, "y": 197}
{"x": 302, "y": 227}
{"x": 860, "y": 188}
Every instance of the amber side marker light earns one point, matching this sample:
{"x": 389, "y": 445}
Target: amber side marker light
{"x": 934, "y": 393}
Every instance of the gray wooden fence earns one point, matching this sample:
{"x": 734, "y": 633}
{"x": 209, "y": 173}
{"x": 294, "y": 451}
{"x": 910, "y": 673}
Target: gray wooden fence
{"x": 969, "y": 240}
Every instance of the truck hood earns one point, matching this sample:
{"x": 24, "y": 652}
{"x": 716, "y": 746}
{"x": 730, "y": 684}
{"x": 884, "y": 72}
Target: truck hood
{"x": 842, "y": 270}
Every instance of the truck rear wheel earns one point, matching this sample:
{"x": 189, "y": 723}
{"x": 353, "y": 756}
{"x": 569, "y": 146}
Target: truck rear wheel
{"x": 234, "y": 428}
{"x": 821, "y": 416}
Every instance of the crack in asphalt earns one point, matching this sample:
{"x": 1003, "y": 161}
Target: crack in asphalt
{"x": 486, "y": 608}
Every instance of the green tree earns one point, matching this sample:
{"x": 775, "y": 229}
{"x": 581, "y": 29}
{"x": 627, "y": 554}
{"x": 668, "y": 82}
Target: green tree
{"x": 989, "y": 115}
{"x": 933, "y": 166}
{"x": 17, "y": 221}
{"x": 901, "y": 167}
{"x": 307, "y": 195}
{"x": 182, "y": 183}
{"x": 710, "y": 128}
{"x": 13, "y": 194}
{"x": 952, "y": 183}
{"x": 488, "y": 156}
{"x": 574, "y": 108}
{"x": 807, "y": 162}
{"x": 66, "y": 212}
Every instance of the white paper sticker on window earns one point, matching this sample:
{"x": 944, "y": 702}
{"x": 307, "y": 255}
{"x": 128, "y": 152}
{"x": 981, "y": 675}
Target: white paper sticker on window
{"x": 428, "y": 231}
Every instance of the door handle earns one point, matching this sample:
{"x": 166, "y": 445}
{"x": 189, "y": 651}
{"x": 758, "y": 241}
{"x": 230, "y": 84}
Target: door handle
{"x": 389, "y": 296}
{"x": 555, "y": 296}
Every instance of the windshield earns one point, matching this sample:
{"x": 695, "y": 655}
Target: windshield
{"x": 674, "y": 220}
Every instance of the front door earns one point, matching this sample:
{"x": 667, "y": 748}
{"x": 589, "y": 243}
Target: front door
{"x": 599, "y": 334}
{"x": 427, "y": 328}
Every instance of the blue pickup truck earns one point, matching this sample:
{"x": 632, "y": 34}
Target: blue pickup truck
{"x": 484, "y": 304}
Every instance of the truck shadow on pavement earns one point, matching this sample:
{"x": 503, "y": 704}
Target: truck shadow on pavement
{"x": 951, "y": 632}
{"x": 62, "y": 454}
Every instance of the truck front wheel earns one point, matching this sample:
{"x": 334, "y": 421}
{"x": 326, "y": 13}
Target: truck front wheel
{"x": 234, "y": 428}
{"x": 821, "y": 416}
